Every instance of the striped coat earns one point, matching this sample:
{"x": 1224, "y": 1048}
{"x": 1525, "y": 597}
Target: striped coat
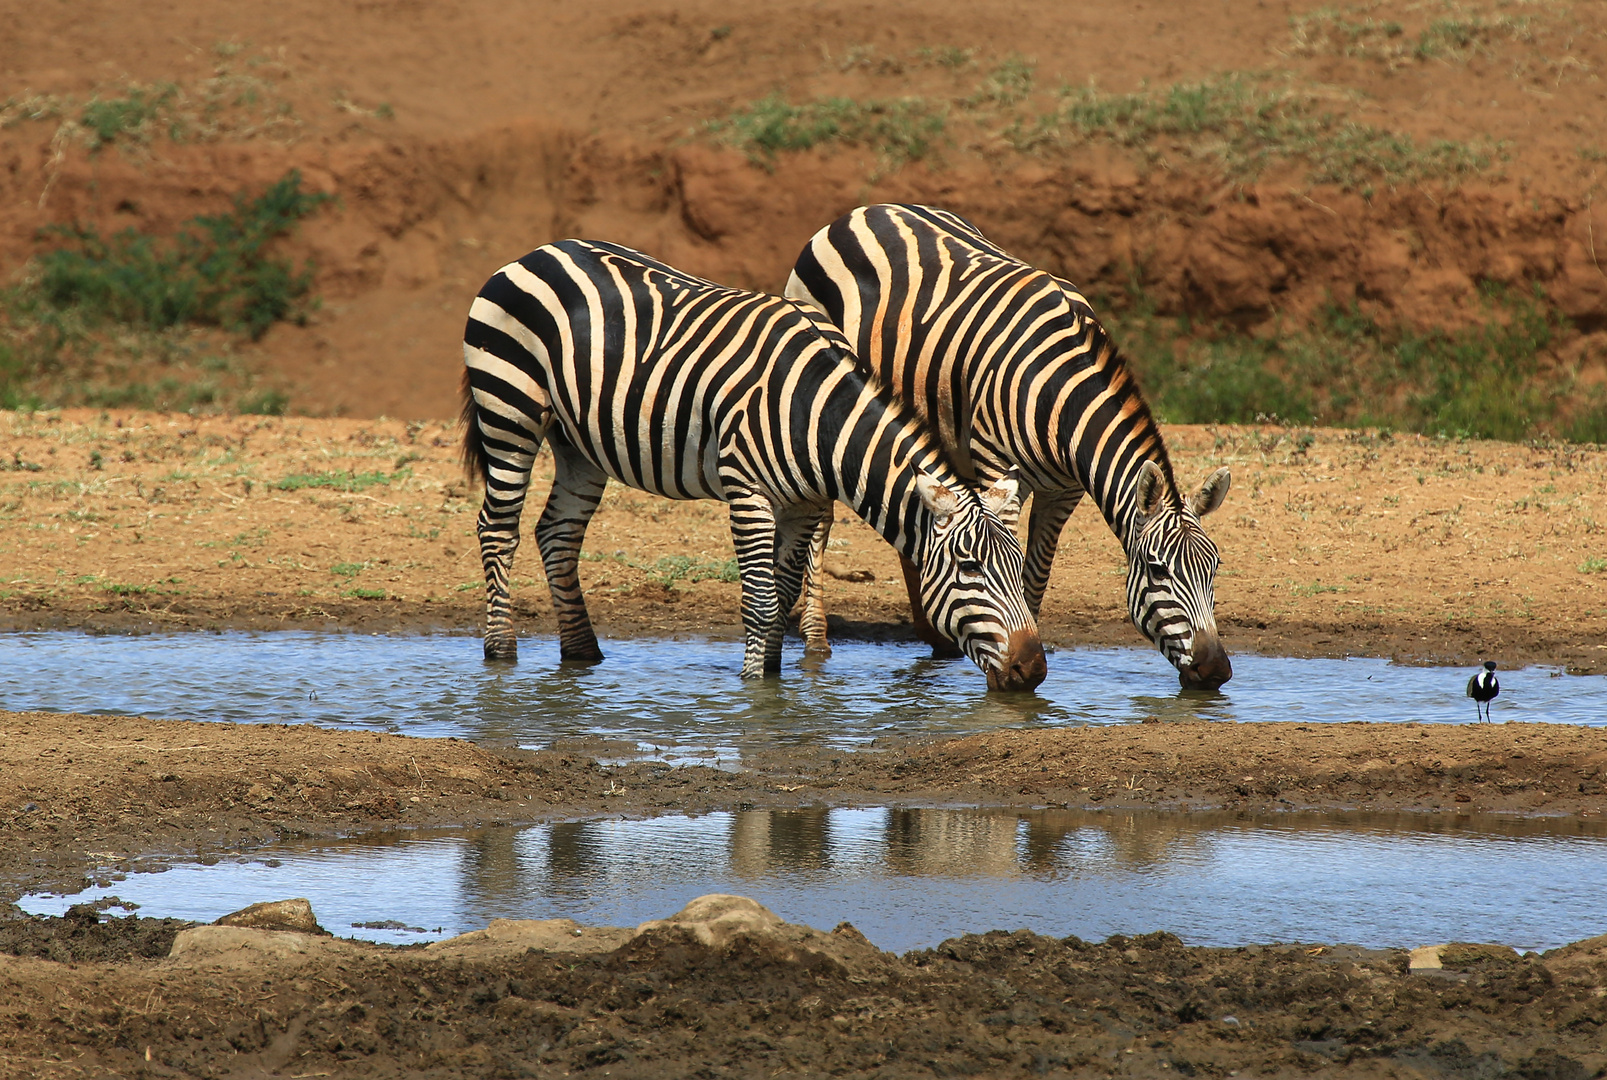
{"x": 1013, "y": 371}
{"x": 633, "y": 371}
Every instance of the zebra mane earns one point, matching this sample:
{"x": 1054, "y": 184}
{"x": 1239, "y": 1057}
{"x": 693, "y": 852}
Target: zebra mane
{"x": 1123, "y": 383}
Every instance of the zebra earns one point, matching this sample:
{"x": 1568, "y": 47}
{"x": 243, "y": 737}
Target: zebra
{"x": 634, "y": 371}
{"x": 1012, "y": 370}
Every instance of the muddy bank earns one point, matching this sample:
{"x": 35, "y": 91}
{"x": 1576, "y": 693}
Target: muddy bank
{"x": 726, "y": 989}
{"x": 1333, "y": 542}
{"x": 84, "y": 795}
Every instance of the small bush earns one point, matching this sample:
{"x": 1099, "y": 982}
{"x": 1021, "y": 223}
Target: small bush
{"x": 216, "y": 271}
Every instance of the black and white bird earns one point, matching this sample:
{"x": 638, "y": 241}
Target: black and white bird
{"x": 1482, "y": 688}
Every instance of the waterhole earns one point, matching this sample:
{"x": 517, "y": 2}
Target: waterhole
{"x": 684, "y": 698}
{"x": 909, "y": 878}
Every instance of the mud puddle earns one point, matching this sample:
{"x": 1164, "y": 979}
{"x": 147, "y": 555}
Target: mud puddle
{"x": 683, "y": 699}
{"x": 910, "y": 878}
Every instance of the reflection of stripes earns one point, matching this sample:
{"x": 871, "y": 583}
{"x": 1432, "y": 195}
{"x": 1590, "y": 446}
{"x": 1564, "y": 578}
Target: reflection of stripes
{"x": 1011, "y": 369}
{"x": 634, "y": 371}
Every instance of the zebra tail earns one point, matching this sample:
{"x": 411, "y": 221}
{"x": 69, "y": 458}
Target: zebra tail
{"x": 474, "y": 456}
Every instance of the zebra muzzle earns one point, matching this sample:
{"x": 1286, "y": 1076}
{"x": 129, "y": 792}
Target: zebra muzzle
{"x": 1022, "y": 665}
{"x": 1209, "y": 666}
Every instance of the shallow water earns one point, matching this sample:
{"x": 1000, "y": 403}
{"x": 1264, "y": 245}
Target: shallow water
{"x": 909, "y": 878}
{"x": 684, "y": 698}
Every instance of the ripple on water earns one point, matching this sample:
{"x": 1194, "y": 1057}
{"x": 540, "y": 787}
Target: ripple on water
{"x": 685, "y": 697}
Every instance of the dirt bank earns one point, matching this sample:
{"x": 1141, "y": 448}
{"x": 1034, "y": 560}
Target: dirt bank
{"x": 1332, "y": 542}
{"x": 593, "y": 122}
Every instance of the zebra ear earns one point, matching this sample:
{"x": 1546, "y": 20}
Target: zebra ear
{"x": 1211, "y": 493}
{"x": 1003, "y": 496}
{"x": 1148, "y": 490}
{"x": 938, "y": 499}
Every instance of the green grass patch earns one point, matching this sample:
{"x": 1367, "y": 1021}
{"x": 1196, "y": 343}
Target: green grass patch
{"x": 1593, "y": 565}
{"x": 365, "y": 594}
{"x": 899, "y": 130}
{"x": 340, "y": 480}
{"x": 348, "y": 569}
{"x": 671, "y": 569}
{"x": 215, "y": 271}
{"x": 1489, "y": 380}
{"x": 143, "y": 321}
{"x": 1244, "y": 126}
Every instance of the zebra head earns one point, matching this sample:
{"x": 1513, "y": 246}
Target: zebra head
{"x": 971, "y": 587}
{"x": 1171, "y": 576}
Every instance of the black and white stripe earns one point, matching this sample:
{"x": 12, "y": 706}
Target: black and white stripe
{"x": 1012, "y": 370}
{"x": 633, "y": 371}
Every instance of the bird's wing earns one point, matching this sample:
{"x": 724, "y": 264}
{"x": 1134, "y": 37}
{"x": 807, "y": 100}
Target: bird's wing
{"x": 1473, "y": 683}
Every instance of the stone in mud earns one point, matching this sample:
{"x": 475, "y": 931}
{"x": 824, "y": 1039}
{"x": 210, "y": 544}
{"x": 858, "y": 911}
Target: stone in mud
{"x": 293, "y": 915}
{"x": 718, "y": 919}
{"x": 245, "y": 946}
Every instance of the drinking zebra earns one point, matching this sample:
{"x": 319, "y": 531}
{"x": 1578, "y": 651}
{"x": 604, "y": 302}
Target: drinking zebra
{"x": 1011, "y": 369}
{"x": 632, "y": 370}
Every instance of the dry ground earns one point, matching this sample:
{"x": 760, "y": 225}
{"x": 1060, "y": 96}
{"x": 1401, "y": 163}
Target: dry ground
{"x": 1333, "y": 542}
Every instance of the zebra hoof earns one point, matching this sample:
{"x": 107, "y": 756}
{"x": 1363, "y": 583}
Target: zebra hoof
{"x": 592, "y": 655}
{"x": 817, "y": 650}
{"x": 505, "y": 649}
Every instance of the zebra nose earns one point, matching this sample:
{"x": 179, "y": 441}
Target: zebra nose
{"x": 1022, "y": 666}
{"x": 1211, "y": 667}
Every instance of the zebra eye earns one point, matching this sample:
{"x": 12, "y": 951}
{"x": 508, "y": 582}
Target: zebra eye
{"x": 970, "y": 568}
{"x": 1158, "y": 571}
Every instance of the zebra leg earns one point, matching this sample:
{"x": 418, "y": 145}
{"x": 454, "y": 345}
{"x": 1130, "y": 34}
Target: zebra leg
{"x": 753, "y": 532}
{"x": 577, "y": 487}
{"x": 796, "y": 536}
{"x": 1050, "y": 512}
{"x": 812, "y": 617}
{"x": 507, "y": 481}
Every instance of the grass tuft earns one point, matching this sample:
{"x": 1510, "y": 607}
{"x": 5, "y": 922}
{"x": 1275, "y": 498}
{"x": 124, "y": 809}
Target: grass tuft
{"x": 899, "y": 130}
{"x": 339, "y": 480}
{"x": 1244, "y": 126}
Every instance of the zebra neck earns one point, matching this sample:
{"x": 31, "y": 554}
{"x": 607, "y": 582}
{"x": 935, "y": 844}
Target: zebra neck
{"x": 897, "y": 514}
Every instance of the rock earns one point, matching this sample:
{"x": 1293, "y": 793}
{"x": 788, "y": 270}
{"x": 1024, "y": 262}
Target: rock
{"x": 293, "y": 915}
{"x": 1425, "y": 958}
{"x": 717, "y": 920}
{"x": 243, "y": 946}
{"x": 513, "y": 936}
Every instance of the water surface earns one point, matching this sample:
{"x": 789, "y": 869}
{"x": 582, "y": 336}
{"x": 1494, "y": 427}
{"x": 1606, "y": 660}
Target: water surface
{"x": 676, "y": 698}
{"x": 910, "y": 878}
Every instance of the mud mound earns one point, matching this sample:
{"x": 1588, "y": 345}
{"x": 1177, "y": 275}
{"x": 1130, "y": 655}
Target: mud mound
{"x": 82, "y": 935}
{"x": 723, "y": 988}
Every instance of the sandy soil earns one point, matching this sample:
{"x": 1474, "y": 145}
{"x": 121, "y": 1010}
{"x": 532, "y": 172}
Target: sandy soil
{"x": 1333, "y": 542}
